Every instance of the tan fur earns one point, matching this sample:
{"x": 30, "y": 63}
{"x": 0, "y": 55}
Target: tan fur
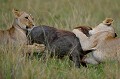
{"x": 107, "y": 46}
{"x": 106, "y": 25}
{"x": 86, "y": 43}
{"x": 29, "y": 49}
{"x": 17, "y": 34}
{"x": 90, "y": 42}
{"x": 107, "y": 49}
{"x": 108, "y": 21}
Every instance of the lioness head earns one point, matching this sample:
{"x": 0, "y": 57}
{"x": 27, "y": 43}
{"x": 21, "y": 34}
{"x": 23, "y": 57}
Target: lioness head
{"x": 108, "y": 21}
{"x": 23, "y": 19}
{"x": 106, "y": 25}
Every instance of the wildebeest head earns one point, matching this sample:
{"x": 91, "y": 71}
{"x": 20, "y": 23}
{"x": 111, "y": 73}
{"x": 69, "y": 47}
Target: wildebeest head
{"x": 84, "y": 29}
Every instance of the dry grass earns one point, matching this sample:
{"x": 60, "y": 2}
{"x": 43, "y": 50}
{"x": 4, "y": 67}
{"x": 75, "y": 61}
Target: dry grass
{"x": 64, "y": 14}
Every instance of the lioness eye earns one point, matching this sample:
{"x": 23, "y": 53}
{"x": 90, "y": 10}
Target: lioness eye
{"x": 26, "y": 17}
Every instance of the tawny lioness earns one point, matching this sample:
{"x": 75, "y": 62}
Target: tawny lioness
{"x": 16, "y": 35}
{"x": 88, "y": 37}
{"x": 107, "y": 47}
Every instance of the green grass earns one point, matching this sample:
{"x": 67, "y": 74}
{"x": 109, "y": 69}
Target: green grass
{"x": 63, "y": 14}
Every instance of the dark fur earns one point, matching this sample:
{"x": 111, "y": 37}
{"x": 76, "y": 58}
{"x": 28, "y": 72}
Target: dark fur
{"x": 58, "y": 42}
{"x": 84, "y": 29}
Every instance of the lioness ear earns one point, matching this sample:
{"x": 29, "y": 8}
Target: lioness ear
{"x": 108, "y": 21}
{"x": 16, "y": 13}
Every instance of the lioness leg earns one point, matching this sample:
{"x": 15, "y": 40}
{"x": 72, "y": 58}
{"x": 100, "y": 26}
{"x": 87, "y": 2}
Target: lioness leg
{"x": 86, "y": 42}
{"x": 76, "y": 59}
{"x": 30, "y": 49}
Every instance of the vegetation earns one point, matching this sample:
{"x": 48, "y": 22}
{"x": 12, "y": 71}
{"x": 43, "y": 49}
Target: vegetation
{"x": 62, "y": 14}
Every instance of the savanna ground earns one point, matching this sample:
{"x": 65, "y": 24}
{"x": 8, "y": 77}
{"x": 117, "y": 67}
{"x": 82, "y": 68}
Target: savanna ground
{"x": 63, "y": 14}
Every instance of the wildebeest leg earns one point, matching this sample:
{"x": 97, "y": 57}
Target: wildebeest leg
{"x": 49, "y": 53}
{"x": 82, "y": 62}
{"x": 76, "y": 58}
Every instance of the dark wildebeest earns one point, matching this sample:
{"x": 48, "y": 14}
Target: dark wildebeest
{"x": 58, "y": 42}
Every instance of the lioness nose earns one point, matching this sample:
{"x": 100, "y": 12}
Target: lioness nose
{"x": 27, "y": 27}
{"x": 33, "y": 25}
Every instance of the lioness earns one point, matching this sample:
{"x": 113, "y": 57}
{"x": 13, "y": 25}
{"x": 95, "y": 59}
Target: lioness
{"x": 106, "y": 49}
{"x": 88, "y": 37}
{"x": 16, "y": 35}
{"x": 107, "y": 46}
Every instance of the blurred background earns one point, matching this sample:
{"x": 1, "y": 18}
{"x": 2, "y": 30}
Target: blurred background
{"x": 65, "y": 14}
